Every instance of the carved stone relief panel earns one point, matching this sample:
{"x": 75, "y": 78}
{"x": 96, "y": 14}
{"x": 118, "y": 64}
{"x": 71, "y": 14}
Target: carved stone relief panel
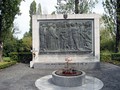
{"x": 70, "y": 36}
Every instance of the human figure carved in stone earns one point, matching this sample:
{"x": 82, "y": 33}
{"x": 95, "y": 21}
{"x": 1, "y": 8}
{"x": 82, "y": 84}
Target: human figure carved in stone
{"x": 86, "y": 36}
{"x": 64, "y": 39}
{"x": 66, "y": 36}
{"x": 43, "y": 35}
{"x": 75, "y": 37}
{"x": 53, "y": 37}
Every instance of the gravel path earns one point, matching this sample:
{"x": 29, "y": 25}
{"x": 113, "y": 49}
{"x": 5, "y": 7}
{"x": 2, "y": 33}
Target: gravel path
{"x": 22, "y": 77}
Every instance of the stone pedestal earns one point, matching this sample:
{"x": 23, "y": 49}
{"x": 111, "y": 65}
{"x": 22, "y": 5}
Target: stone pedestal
{"x": 68, "y": 81}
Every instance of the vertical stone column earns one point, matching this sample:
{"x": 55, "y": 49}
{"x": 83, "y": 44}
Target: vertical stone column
{"x": 96, "y": 38}
{"x": 35, "y": 34}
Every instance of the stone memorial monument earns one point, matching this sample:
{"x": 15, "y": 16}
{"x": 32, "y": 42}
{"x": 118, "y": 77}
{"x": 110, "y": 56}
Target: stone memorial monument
{"x": 55, "y": 38}
{"x": 68, "y": 78}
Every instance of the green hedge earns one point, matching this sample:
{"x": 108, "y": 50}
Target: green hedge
{"x": 105, "y": 57}
{"x": 14, "y": 56}
{"x": 115, "y": 56}
{"x": 7, "y": 59}
{"x": 6, "y": 64}
{"x": 109, "y": 56}
{"x": 24, "y": 57}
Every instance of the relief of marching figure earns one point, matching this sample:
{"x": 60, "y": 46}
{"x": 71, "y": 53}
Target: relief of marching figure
{"x": 52, "y": 37}
{"x": 66, "y": 36}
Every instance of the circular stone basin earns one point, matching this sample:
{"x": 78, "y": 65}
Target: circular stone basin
{"x": 70, "y": 80}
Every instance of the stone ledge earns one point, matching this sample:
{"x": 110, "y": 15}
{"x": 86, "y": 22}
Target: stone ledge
{"x": 58, "y": 62}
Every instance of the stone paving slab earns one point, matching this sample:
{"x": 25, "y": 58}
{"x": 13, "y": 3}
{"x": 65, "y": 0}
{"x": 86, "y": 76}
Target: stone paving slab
{"x": 91, "y": 83}
{"x": 22, "y": 77}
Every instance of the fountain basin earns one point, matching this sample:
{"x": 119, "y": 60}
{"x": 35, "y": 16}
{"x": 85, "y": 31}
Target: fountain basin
{"x": 68, "y": 81}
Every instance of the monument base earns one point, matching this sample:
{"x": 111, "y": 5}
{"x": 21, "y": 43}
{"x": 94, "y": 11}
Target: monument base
{"x": 83, "y": 62}
{"x": 91, "y": 83}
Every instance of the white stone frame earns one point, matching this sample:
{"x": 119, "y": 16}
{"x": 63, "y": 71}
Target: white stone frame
{"x": 96, "y": 35}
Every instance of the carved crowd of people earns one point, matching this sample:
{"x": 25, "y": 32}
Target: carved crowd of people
{"x": 66, "y": 36}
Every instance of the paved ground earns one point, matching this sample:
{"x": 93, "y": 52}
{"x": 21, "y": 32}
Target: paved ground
{"x": 21, "y": 77}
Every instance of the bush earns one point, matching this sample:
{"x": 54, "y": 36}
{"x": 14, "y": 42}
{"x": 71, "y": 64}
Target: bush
{"x": 6, "y": 64}
{"x": 106, "y": 41}
{"x": 115, "y": 56}
{"x": 14, "y": 56}
{"x": 24, "y": 57}
{"x": 6, "y": 59}
{"x": 106, "y": 57}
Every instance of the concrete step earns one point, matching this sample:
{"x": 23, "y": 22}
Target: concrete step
{"x": 58, "y": 62}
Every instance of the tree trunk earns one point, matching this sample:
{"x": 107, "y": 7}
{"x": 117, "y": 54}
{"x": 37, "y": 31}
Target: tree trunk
{"x": 118, "y": 27}
{"x": 76, "y": 6}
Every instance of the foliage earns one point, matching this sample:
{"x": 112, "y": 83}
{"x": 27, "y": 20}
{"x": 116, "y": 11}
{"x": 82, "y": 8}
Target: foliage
{"x": 115, "y": 62}
{"x": 85, "y": 6}
{"x": 27, "y": 43}
{"x": 6, "y": 59}
{"x": 112, "y": 19}
{"x": 32, "y": 11}
{"x": 110, "y": 15}
{"x": 39, "y": 10}
{"x": 107, "y": 42}
{"x": 10, "y": 44}
{"x": 14, "y": 56}
{"x": 23, "y": 45}
{"x": 6, "y": 64}
{"x": 9, "y": 9}
{"x": 115, "y": 56}
{"x": 24, "y": 57}
{"x": 53, "y": 13}
{"x": 105, "y": 57}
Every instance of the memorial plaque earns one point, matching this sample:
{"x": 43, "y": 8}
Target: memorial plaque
{"x": 66, "y": 36}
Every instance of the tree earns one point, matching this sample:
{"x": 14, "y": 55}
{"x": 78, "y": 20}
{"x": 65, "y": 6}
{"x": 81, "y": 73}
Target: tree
{"x": 83, "y": 6}
{"x": 32, "y": 11}
{"x": 27, "y": 43}
{"x": 110, "y": 15}
{"x": 112, "y": 19}
{"x": 118, "y": 27}
{"x": 9, "y": 8}
{"x": 106, "y": 42}
{"x": 39, "y": 10}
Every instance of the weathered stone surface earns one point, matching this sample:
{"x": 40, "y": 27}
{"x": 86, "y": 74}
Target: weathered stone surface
{"x": 68, "y": 81}
{"x": 66, "y": 36}
{"x": 91, "y": 83}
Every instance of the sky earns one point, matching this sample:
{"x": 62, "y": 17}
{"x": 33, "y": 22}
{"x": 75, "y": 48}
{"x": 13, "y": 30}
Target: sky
{"x": 48, "y": 6}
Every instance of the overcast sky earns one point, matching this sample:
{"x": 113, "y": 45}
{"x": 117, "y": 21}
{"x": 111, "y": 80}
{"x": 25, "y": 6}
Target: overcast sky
{"x": 22, "y": 21}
